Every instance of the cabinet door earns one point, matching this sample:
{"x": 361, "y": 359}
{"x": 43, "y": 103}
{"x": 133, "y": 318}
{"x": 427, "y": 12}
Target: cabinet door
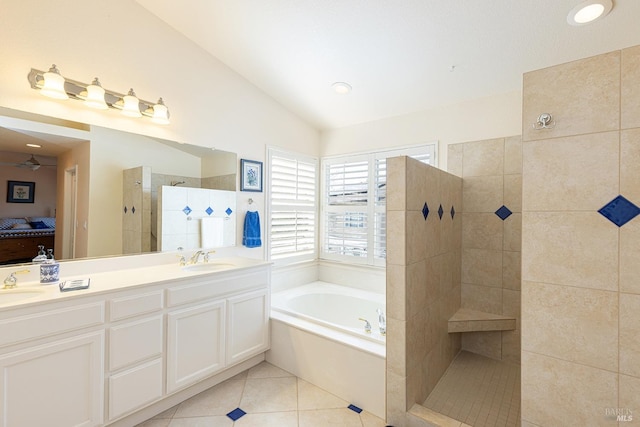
{"x": 59, "y": 384}
{"x": 248, "y": 330}
{"x": 195, "y": 344}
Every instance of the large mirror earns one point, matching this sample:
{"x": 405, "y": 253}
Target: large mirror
{"x": 76, "y": 176}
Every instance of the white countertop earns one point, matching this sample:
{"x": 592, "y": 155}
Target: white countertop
{"x": 105, "y": 277}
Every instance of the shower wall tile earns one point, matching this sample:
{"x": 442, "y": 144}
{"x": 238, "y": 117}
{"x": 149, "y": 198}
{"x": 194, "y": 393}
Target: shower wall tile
{"x": 629, "y": 256}
{"x": 629, "y": 395}
{"x": 511, "y": 269}
{"x": 511, "y": 305}
{"x": 556, "y": 392}
{"x": 396, "y": 291}
{"x": 487, "y": 344}
{"x": 417, "y": 228}
{"x": 513, "y": 232}
{"x": 629, "y": 161}
{"x": 454, "y": 159}
{"x": 573, "y": 324}
{"x": 630, "y": 90}
{"x": 570, "y": 248}
{"x": 572, "y": 173}
{"x": 396, "y": 398}
{"x": 483, "y": 158}
{"x": 511, "y": 346}
{"x": 481, "y": 298}
{"x": 482, "y": 267}
{"x": 417, "y": 286}
{"x": 513, "y": 155}
{"x": 396, "y": 246}
{"x": 482, "y": 231}
{"x": 396, "y": 179}
{"x": 629, "y": 327}
{"x": 396, "y": 354}
{"x": 419, "y": 185}
{"x": 482, "y": 193}
{"x": 513, "y": 192}
{"x": 583, "y": 96}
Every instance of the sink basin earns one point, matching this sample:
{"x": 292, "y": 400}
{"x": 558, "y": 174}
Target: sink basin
{"x": 9, "y": 296}
{"x": 208, "y": 266}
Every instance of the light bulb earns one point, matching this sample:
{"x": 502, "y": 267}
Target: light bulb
{"x": 131, "y": 107}
{"x": 95, "y": 96}
{"x": 53, "y": 85}
{"x": 160, "y": 113}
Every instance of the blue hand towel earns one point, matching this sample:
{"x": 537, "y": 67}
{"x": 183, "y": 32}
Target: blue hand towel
{"x": 251, "y": 234}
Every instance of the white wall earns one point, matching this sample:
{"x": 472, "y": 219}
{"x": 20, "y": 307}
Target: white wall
{"x": 478, "y": 119}
{"x": 126, "y": 46}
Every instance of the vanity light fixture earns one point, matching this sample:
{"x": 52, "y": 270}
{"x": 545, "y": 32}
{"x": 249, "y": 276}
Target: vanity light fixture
{"x": 588, "y": 11}
{"x": 52, "y": 84}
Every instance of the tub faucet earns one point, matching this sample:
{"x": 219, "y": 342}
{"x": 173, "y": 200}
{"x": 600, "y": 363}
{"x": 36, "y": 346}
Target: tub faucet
{"x": 367, "y": 325}
{"x": 382, "y": 322}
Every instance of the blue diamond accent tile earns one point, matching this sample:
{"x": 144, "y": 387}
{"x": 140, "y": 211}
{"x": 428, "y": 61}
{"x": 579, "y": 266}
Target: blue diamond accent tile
{"x": 125, "y": 209}
{"x": 186, "y": 210}
{"x": 503, "y": 213}
{"x": 425, "y": 211}
{"x": 354, "y": 408}
{"x": 236, "y": 414}
{"x": 619, "y": 211}
{"x": 133, "y": 209}
{"x": 228, "y": 211}
{"x": 453, "y": 212}
{"x": 440, "y": 211}
{"x": 209, "y": 211}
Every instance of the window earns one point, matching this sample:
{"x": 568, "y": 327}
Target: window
{"x": 354, "y": 201}
{"x": 292, "y": 194}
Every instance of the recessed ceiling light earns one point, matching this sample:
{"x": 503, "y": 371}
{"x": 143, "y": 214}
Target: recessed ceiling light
{"x": 589, "y": 11}
{"x": 341, "y": 87}
{"x": 34, "y": 145}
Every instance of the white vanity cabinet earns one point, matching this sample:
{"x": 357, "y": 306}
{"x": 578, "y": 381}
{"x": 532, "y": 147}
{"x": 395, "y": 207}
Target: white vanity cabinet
{"x": 220, "y": 322}
{"x": 52, "y": 367}
{"x": 135, "y": 345}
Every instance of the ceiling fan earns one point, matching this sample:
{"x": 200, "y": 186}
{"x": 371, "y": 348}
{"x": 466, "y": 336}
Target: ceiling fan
{"x": 31, "y": 163}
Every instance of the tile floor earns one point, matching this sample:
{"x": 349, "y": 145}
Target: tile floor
{"x": 270, "y": 397}
{"x": 478, "y": 391}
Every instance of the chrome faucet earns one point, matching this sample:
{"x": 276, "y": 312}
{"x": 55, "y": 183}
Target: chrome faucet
{"x": 367, "y": 325}
{"x": 382, "y": 322}
{"x": 195, "y": 257}
{"x": 11, "y": 281}
{"x": 206, "y": 255}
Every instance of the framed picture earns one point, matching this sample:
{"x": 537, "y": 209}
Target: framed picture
{"x": 20, "y": 191}
{"x": 251, "y": 175}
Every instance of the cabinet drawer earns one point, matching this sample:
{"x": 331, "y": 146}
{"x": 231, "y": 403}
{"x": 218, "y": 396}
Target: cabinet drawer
{"x": 134, "y": 388}
{"x": 205, "y": 288}
{"x": 134, "y": 342}
{"x": 28, "y": 327}
{"x": 123, "y": 307}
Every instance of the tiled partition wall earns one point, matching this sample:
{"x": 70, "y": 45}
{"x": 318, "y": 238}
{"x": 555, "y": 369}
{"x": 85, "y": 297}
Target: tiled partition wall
{"x": 491, "y": 172}
{"x": 423, "y": 280}
{"x": 580, "y": 250}
{"x": 136, "y": 210}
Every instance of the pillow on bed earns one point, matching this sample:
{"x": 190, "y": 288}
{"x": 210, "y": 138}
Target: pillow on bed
{"x": 21, "y": 227}
{"x": 8, "y": 223}
{"x": 38, "y": 225}
{"x": 50, "y": 222}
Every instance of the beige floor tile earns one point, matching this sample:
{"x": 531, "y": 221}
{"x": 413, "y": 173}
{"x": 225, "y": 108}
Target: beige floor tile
{"x": 312, "y": 397}
{"x": 218, "y": 400}
{"x": 169, "y": 413}
{"x": 269, "y": 419}
{"x": 267, "y": 370}
{"x": 155, "y": 423}
{"x": 370, "y": 420}
{"x": 215, "y": 421}
{"x": 269, "y": 395}
{"x": 342, "y": 417}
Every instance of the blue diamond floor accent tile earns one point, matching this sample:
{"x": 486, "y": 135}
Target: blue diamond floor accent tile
{"x": 186, "y": 210}
{"x": 440, "y": 211}
{"x": 425, "y": 211}
{"x": 209, "y": 211}
{"x": 354, "y": 408}
{"x": 236, "y": 414}
{"x": 619, "y": 211}
{"x": 228, "y": 211}
{"x": 453, "y": 212}
{"x": 503, "y": 213}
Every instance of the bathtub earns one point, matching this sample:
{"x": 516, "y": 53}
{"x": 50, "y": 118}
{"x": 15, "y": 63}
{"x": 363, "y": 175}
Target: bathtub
{"x": 316, "y": 335}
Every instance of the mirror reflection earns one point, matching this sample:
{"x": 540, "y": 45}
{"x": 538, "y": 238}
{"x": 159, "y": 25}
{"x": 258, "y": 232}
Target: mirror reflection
{"x": 81, "y": 177}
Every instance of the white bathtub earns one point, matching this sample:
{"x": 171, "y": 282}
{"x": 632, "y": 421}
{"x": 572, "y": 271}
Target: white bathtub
{"x": 316, "y": 335}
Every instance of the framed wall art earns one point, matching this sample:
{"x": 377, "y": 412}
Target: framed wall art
{"x": 251, "y": 179}
{"x": 20, "y": 191}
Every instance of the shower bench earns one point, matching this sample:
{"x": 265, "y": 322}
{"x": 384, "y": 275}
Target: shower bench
{"x": 467, "y": 320}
